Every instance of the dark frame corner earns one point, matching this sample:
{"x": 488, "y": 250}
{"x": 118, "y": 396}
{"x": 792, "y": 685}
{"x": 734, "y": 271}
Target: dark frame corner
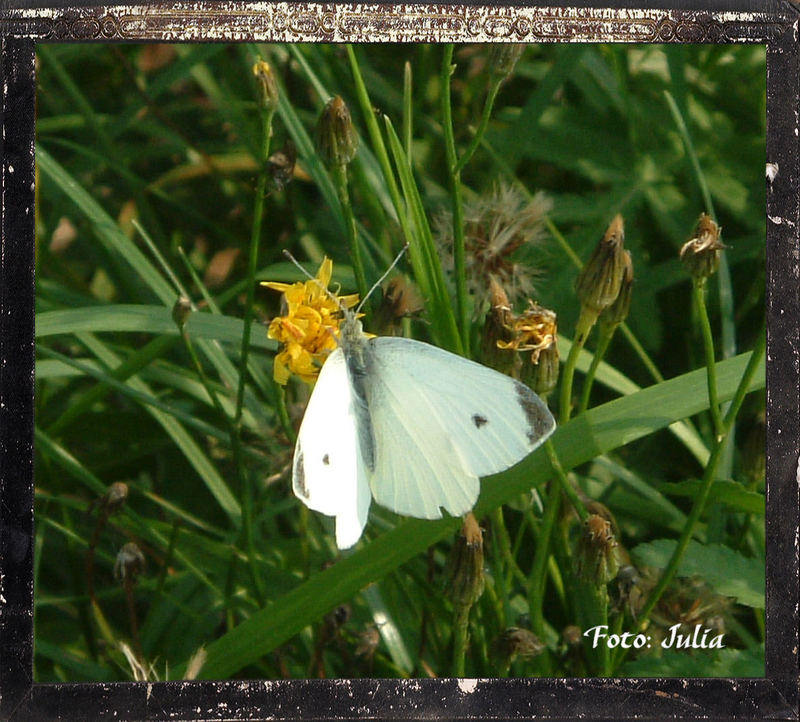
{"x": 732, "y": 21}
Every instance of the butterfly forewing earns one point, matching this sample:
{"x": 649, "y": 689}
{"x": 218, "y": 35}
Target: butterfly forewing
{"x": 441, "y": 421}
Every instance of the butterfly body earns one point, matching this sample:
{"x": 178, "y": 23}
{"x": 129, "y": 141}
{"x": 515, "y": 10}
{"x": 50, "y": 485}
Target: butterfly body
{"x": 410, "y": 425}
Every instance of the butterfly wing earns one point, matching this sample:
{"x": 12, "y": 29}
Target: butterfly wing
{"x": 328, "y": 472}
{"x": 441, "y": 421}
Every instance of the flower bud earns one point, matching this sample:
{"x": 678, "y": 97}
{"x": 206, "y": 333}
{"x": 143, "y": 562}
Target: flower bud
{"x": 503, "y": 58}
{"x": 597, "y": 551}
{"x": 617, "y": 312}
{"x": 572, "y": 636}
{"x": 129, "y": 563}
{"x": 599, "y": 282}
{"x": 465, "y": 565}
{"x": 368, "y": 640}
{"x": 701, "y": 253}
{"x": 514, "y": 643}
{"x": 336, "y": 138}
{"x": 400, "y": 300}
{"x": 542, "y": 376}
{"x": 116, "y": 497}
{"x": 267, "y": 87}
{"x": 496, "y": 343}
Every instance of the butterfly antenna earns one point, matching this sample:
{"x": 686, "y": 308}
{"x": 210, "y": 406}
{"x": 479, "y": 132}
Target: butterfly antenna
{"x": 332, "y": 296}
{"x": 381, "y": 279}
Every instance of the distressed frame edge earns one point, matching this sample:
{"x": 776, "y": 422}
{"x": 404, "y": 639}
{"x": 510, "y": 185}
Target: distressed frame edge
{"x": 777, "y": 693}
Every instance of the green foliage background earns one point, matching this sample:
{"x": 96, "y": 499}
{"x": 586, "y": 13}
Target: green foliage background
{"x": 146, "y": 153}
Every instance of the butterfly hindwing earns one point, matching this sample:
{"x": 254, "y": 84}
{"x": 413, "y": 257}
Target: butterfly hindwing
{"x": 441, "y": 421}
{"x": 328, "y": 472}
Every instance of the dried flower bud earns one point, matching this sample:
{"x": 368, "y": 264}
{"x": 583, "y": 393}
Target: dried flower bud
{"x": 617, "y": 312}
{"x": 497, "y": 334}
{"x": 503, "y": 58}
{"x": 542, "y": 376}
{"x": 181, "y": 311}
{"x": 281, "y": 165}
{"x": 368, "y": 641}
{"x": 572, "y": 636}
{"x": 116, "y": 497}
{"x": 599, "y": 282}
{"x": 701, "y": 253}
{"x": 267, "y": 87}
{"x": 533, "y": 330}
{"x": 336, "y": 138}
{"x": 129, "y": 563}
{"x": 337, "y": 617}
{"x": 112, "y": 501}
{"x": 465, "y": 565}
{"x": 630, "y": 590}
{"x": 597, "y": 552}
{"x": 514, "y": 643}
{"x": 400, "y": 300}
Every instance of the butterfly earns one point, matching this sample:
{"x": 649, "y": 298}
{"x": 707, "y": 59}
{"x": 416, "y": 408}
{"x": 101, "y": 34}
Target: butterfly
{"x": 410, "y": 426}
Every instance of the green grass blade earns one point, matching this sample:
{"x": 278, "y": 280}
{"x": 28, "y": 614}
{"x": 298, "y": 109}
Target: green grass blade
{"x": 424, "y": 256}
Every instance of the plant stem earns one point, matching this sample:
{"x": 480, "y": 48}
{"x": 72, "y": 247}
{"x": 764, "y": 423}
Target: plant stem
{"x": 339, "y": 174}
{"x": 582, "y": 328}
{"x": 455, "y": 196}
{"x": 482, "y": 125}
{"x": 255, "y": 239}
{"x": 563, "y": 481}
{"x": 537, "y": 583}
{"x": 698, "y": 297}
{"x": 605, "y": 336}
{"x": 460, "y": 634}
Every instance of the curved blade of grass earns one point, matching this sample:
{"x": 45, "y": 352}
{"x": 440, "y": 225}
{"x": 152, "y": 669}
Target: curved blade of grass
{"x": 596, "y": 432}
{"x": 424, "y": 256}
{"x": 136, "y": 318}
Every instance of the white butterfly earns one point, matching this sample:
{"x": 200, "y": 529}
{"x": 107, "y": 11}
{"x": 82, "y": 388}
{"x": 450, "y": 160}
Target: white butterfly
{"x": 409, "y": 425}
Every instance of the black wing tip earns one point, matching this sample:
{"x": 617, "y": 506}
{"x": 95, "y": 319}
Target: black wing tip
{"x": 540, "y": 421}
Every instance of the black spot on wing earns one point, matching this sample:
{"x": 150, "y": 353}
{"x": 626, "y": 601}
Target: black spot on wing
{"x": 326, "y": 460}
{"x": 300, "y": 475}
{"x": 540, "y": 420}
{"x": 479, "y": 420}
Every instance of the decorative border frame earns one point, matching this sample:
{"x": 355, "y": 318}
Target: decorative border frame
{"x": 773, "y": 697}
{"x": 408, "y": 23}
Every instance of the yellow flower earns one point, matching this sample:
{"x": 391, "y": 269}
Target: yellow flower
{"x": 310, "y": 324}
